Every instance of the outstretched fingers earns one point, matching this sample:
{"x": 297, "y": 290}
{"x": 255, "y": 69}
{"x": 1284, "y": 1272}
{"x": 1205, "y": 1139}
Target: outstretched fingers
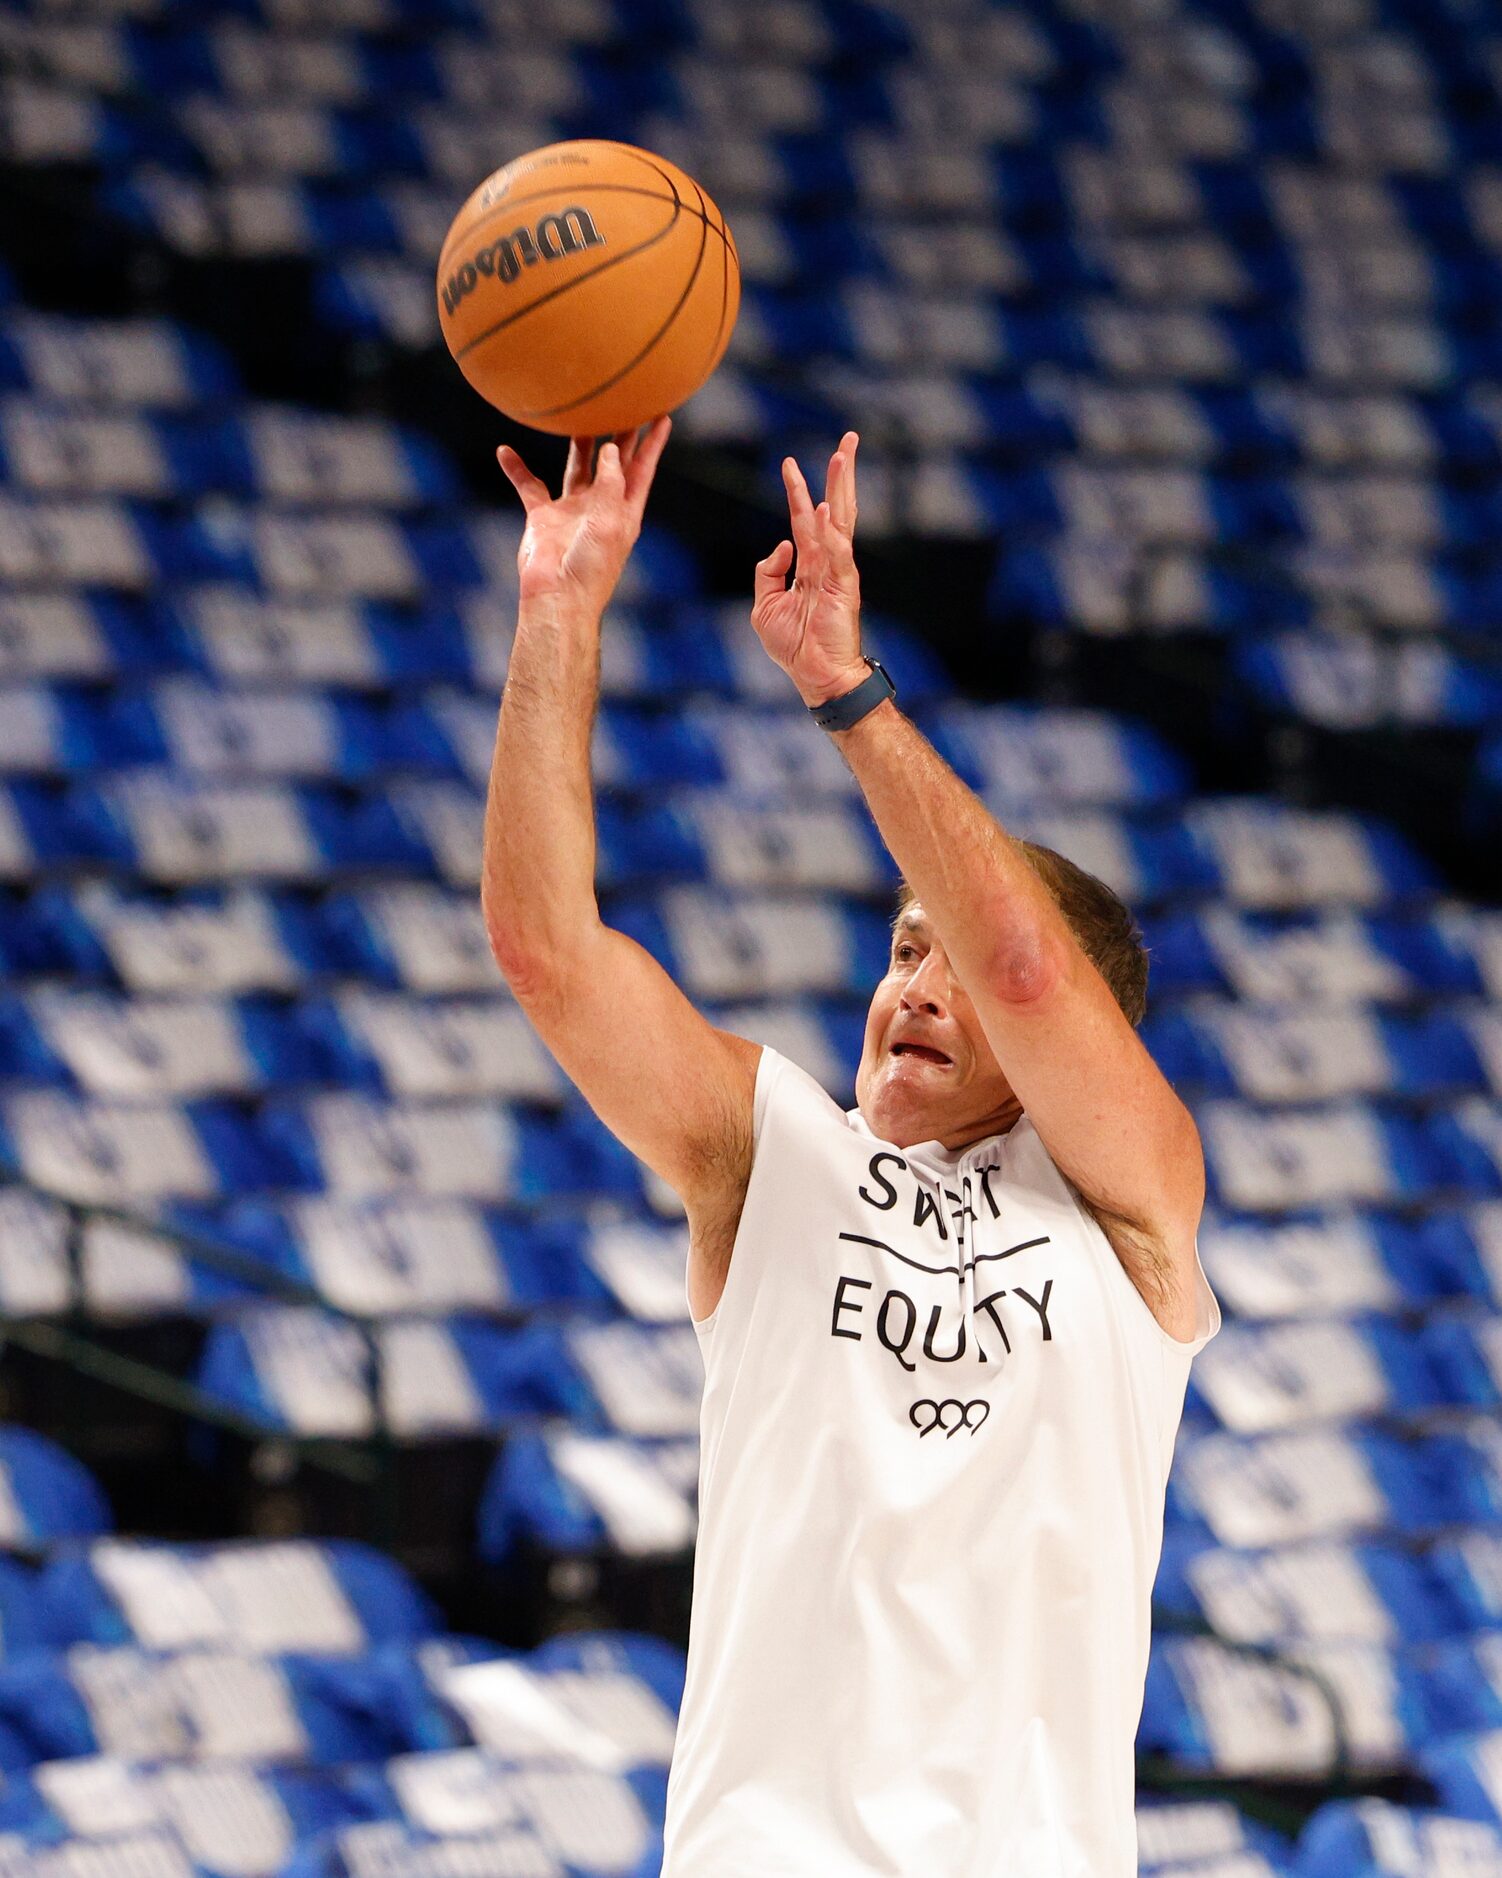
{"x": 580, "y": 466}
{"x": 772, "y": 573}
{"x": 641, "y": 465}
{"x": 839, "y": 485}
{"x": 834, "y": 541}
{"x": 609, "y": 475}
{"x": 800, "y": 508}
{"x": 532, "y": 489}
{"x": 621, "y": 468}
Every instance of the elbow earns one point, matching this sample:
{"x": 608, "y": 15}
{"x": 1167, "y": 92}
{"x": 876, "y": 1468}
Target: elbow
{"x": 528, "y": 969}
{"x": 1025, "y": 965}
{"x": 539, "y": 958}
{"x": 525, "y": 958}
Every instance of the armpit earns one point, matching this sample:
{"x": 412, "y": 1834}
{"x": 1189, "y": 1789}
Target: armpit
{"x": 1144, "y": 1258}
{"x": 721, "y": 1154}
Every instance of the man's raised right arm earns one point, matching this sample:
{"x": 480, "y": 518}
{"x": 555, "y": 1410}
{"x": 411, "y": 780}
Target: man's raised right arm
{"x": 676, "y": 1090}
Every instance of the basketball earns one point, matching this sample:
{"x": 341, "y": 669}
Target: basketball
{"x": 588, "y": 288}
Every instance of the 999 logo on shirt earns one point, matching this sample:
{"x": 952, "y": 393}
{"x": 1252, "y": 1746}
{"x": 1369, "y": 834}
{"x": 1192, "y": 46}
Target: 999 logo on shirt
{"x": 937, "y": 1412}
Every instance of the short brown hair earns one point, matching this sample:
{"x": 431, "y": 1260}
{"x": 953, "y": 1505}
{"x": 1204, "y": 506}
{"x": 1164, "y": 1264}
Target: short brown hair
{"x": 1109, "y": 936}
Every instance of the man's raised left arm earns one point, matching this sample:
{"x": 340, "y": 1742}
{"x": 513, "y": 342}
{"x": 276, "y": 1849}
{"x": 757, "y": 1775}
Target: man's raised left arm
{"x": 1100, "y": 1104}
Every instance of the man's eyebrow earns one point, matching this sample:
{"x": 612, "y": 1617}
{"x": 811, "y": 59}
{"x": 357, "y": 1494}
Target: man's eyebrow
{"x": 909, "y": 921}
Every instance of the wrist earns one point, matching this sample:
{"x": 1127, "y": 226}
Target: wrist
{"x": 557, "y": 612}
{"x": 862, "y": 725}
{"x": 816, "y": 692}
{"x": 852, "y": 707}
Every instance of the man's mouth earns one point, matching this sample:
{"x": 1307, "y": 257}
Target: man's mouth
{"x": 922, "y": 1050}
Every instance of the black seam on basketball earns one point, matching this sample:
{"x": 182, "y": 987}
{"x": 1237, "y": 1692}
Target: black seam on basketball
{"x": 722, "y": 229}
{"x": 537, "y": 195}
{"x": 578, "y": 281}
{"x": 714, "y": 350}
{"x": 630, "y": 366}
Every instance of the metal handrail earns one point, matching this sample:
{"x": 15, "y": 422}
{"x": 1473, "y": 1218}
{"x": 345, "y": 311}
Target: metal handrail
{"x": 363, "y": 1459}
{"x": 1341, "y": 1767}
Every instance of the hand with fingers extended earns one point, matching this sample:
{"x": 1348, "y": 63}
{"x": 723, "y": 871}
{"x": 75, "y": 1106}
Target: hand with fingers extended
{"x": 813, "y": 628}
{"x": 576, "y": 544}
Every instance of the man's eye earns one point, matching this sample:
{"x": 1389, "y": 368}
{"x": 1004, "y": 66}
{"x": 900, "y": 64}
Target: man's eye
{"x": 903, "y": 951}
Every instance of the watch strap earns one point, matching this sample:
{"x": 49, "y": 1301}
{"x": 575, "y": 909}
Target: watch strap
{"x": 840, "y": 713}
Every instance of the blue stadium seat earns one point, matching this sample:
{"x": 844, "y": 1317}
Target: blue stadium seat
{"x": 109, "y": 1152}
{"x": 1462, "y": 1769}
{"x": 733, "y": 843}
{"x": 1461, "y": 1686}
{"x": 399, "y": 1046}
{"x": 1463, "y": 1350}
{"x": 30, "y": 1624}
{"x": 571, "y": 1491}
{"x": 209, "y": 1704}
{"x": 1380, "y": 1839}
{"x": 130, "y": 364}
{"x": 334, "y": 1598}
{"x": 1267, "y": 1490}
{"x": 357, "y": 1147}
{"x": 47, "y": 1495}
{"x": 1335, "y": 1264}
{"x": 222, "y": 1818}
{"x": 1338, "y": 957}
{"x": 420, "y": 1257}
{"x": 1324, "y": 1591}
{"x": 1346, "y": 1153}
{"x": 1064, "y": 759}
{"x": 1240, "y": 1712}
{"x": 1352, "y": 683}
{"x": 1258, "y": 1378}
{"x": 645, "y": 1380}
{"x": 1308, "y": 1054}
{"x": 770, "y": 946}
{"x": 312, "y": 1374}
{"x": 1270, "y": 857}
{"x": 413, "y": 935}
{"x": 1191, "y": 1833}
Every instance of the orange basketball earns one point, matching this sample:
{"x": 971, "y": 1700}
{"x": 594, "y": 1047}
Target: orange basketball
{"x": 588, "y": 288}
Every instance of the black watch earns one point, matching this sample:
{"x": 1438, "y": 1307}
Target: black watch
{"x": 841, "y": 713}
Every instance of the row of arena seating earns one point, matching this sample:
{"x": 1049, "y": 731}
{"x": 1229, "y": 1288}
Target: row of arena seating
{"x": 98, "y": 1044}
{"x": 1323, "y": 945}
{"x": 1338, "y": 682}
{"x": 403, "y": 1255}
{"x": 357, "y": 1146}
{"x": 244, "y": 1710}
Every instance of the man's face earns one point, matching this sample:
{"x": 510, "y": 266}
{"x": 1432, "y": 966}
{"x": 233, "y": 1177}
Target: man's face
{"x": 927, "y": 1072}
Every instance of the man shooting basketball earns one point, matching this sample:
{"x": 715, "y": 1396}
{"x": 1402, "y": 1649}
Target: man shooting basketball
{"x": 946, "y": 1335}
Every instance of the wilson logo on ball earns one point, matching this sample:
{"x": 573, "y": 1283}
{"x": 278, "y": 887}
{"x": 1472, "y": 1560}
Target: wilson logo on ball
{"x": 570, "y": 231}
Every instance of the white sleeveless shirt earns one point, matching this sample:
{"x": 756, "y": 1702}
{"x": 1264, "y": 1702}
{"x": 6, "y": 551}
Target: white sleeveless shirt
{"x": 936, "y": 1430}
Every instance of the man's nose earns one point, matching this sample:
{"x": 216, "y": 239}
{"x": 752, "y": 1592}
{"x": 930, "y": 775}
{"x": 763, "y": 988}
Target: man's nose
{"x": 927, "y": 989}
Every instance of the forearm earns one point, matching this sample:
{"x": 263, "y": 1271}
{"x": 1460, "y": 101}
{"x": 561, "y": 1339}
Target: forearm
{"x": 999, "y": 924}
{"x": 538, "y": 868}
